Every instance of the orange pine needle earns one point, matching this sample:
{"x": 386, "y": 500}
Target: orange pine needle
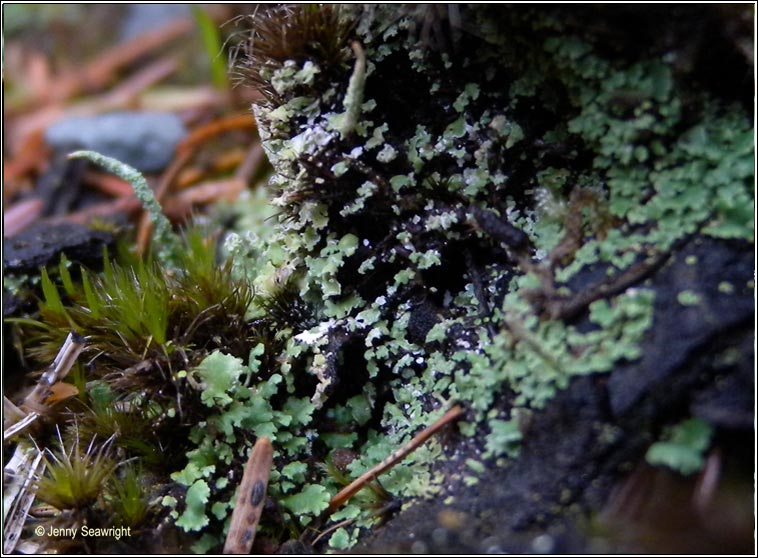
{"x": 108, "y": 184}
{"x": 203, "y": 133}
{"x": 354, "y": 487}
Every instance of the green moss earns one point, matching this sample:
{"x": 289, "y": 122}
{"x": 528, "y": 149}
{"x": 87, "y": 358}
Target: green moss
{"x": 74, "y": 480}
{"x": 128, "y": 502}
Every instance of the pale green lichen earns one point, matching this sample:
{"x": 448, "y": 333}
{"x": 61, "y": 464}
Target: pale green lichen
{"x": 682, "y": 446}
{"x": 14, "y": 283}
{"x": 726, "y": 287}
{"x": 312, "y": 500}
{"x": 412, "y": 301}
{"x": 688, "y": 298}
{"x": 354, "y": 96}
{"x": 194, "y": 518}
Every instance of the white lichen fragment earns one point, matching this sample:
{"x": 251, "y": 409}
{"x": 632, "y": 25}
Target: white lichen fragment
{"x": 365, "y": 191}
{"x": 290, "y": 76}
{"x": 441, "y": 221}
{"x": 315, "y": 336}
{"x": 319, "y": 369}
{"x": 387, "y": 154}
{"x": 340, "y": 168}
{"x": 367, "y": 265}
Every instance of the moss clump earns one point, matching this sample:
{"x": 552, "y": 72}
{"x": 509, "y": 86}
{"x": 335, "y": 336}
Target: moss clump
{"x": 143, "y": 308}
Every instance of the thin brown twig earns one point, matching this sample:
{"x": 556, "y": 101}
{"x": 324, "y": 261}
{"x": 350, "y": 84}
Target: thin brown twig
{"x": 107, "y": 183}
{"x": 570, "y": 308}
{"x": 180, "y": 205}
{"x": 224, "y": 163}
{"x": 331, "y": 529}
{"x": 145, "y": 229}
{"x": 251, "y": 162}
{"x": 64, "y": 360}
{"x": 185, "y": 152}
{"x": 216, "y": 127}
{"x": 29, "y": 157}
{"x": 354, "y": 487}
{"x": 125, "y": 204}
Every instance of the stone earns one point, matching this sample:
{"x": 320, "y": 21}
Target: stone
{"x": 143, "y": 140}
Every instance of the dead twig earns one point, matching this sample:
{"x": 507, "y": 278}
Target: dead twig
{"x": 250, "y": 499}
{"x": 108, "y": 184}
{"x": 331, "y": 529}
{"x": 124, "y": 204}
{"x": 250, "y": 164}
{"x": 707, "y": 484}
{"x": 27, "y": 159}
{"x": 222, "y": 164}
{"x": 180, "y": 206}
{"x": 354, "y": 487}
{"x": 36, "y": 400}
{"x": 228, "y": 189}
{"x": 567, "y": 309}
{"x": 127, "y": 92}
{"x": 19, "y": 473}
{"x": 222, "y": 189}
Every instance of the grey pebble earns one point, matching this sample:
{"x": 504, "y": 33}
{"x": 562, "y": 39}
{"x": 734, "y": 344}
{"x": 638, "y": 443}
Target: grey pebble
{"x": 144, "y": 140}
